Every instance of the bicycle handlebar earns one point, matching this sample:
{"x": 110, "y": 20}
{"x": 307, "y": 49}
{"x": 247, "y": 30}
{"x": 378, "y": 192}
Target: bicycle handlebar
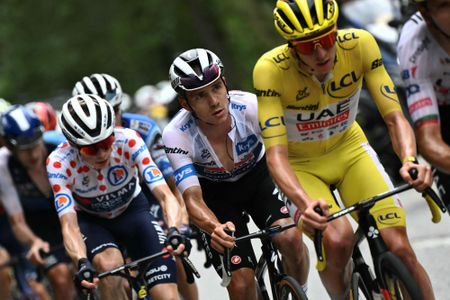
{"x": 435, "y": 204}
{"x": 189, "y": 266}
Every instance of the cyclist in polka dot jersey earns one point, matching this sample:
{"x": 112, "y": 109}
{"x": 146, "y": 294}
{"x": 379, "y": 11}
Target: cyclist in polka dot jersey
{"x": 94, "y": 177}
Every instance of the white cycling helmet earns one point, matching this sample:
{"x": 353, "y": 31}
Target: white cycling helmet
{"x": 103, "y": 85}
{"x": 195, "y": 69}
{"x": 86, "y": 119}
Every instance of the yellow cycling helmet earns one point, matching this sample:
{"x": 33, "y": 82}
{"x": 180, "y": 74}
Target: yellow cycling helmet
{"x": 300, "y": 19}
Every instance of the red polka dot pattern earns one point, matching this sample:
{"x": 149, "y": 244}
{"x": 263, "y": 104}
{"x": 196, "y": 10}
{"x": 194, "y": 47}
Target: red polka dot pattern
{"x": 56, "y": 188}
{"x": 73, "y": 164}
{"x": 146, "y": 161}
{"x": 57, "y": 164}
{"x": 68, "y": 172}
{"x": 102, "y": 187}
{"x": 127, "y": 155}
{"x": 132, "y": 143}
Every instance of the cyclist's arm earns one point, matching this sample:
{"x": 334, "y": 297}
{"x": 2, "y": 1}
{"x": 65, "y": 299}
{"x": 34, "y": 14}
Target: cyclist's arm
{"x": 432, "y": 146}
{"x": 73, "y": 241}
{"x": 21, "y": 230}
{"x": 154, "y": 179}
{"x": 200, "y": 213}
{"x": 169, "y": 204}
{"x": 274, "y": 132}
{"x": 173, "y": 187}
{"x": 284, "y": 176}
{"x": 383, "y": 92}
{"x": 156, "y": 148}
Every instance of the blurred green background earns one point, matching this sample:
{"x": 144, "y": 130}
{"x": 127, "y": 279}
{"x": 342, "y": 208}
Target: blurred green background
{"x": 46, "y": 46}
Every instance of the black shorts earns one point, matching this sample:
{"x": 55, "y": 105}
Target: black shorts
{"x": 254, "y": 194}
{"x": 135, "y": 229}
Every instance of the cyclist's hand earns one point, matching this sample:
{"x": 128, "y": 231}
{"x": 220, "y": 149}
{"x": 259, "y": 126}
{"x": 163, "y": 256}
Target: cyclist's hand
{"x": 33, "y": 253}
{"x": 220, "y": 239}
{"x": 424, "y": 176}
{"x": 86, "y": 277}
{"x": 310, "y": 220}
{"x": 178, "y": 243}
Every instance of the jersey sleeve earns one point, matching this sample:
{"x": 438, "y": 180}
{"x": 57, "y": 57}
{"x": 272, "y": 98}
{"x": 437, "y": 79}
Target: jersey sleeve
{"x": 376, "y": 77}
{"x": 141, "y": 158}
{"x": 421, "y": 97}
{"x": 178, "y": 148}
{"x": 9, "y": 197}
{"x": 60, "y": 178}
{"x": 268, "y": 87}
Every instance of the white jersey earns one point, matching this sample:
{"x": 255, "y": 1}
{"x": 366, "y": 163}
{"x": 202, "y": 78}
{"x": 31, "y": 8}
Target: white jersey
{"x": 426, "y": 70}
{"x": 191, "y": 153}
{"x": 106, "y": 192}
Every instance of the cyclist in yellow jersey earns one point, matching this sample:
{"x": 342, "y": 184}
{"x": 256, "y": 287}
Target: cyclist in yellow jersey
{"x": 308, "y": 92}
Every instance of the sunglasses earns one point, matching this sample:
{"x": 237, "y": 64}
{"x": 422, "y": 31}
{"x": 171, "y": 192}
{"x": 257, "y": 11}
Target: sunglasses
{"x": 307, "y": 47}
{"x": 93, "y": 149}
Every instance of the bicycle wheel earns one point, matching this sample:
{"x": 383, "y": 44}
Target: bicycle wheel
{"x": 260, "y": 276}
{"x": 360, "y": 289}
{"x": 397, "y": 282}
{"x": 290, "y": 289}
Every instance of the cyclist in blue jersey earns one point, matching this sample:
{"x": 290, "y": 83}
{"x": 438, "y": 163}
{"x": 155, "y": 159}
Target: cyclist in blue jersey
{"x": 101, "y": 207}
{"x": 214, "y": 144}
{"x": 109, "y": 88}
{"x": 27, "y": 197}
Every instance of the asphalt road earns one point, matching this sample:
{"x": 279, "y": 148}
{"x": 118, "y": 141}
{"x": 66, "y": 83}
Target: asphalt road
{"x": 430, "y": 241}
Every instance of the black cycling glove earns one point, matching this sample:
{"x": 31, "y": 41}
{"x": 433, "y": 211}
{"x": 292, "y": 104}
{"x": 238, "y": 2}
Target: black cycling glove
{"x": 85, "y": 272}
{"x": 175, "y": 238}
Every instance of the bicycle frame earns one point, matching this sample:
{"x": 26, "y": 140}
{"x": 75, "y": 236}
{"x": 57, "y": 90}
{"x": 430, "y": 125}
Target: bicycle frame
{"x": 272, "y": 261}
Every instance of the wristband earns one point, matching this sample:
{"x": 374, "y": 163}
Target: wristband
{"x": 410, "y": 158}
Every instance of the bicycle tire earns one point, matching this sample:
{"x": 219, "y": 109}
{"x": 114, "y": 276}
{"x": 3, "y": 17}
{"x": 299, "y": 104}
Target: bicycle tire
{"x": 359, "y": 289}
{"x": 289, "y": 289}
{"x": 397, "y": 279}
{"x": 260, "y": 271}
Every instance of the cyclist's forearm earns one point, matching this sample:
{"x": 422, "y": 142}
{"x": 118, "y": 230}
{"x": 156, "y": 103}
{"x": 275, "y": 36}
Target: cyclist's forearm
{"x": 73, "y": 241}
{"x": 433, "y": 148}
{"x": 21, "y": 231}
{"x": 285, "y": 177}
{"x": 199, "y": 212}
{"x": 169, "y": 204}
{"x": 184, "y": 214}
{"x": 401, "y": 134}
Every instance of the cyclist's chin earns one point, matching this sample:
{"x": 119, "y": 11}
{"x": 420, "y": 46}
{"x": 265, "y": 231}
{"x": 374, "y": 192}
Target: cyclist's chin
{"x": 324, "y": 67}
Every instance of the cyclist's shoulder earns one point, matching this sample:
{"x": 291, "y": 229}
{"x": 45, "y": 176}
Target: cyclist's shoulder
{"x": 53, "y": 138}
{"x": 5, "y": 154}
{"x": 140, "y": 123}
{"x": 354, "y": 41}
{"x": 414, "y": 35}
{"x": 276, "y": 58}
{"x": 183, "y": 123}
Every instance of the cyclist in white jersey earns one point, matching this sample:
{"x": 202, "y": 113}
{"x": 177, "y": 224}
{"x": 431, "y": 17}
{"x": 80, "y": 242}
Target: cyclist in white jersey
{"x": 216, "y": 150}
{"x": 99, "y": 200}
{"x": 424, "y": 54}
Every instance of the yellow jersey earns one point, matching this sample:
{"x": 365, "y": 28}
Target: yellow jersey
{"x": 313, "y": 117}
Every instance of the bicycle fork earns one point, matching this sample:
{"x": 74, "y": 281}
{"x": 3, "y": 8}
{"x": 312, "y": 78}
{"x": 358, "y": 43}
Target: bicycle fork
{"x": 377, "y": 248}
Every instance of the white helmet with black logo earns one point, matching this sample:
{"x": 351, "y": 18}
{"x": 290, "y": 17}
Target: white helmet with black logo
{"x": 86, "y": 119}
{"x": 103, "y": 85}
